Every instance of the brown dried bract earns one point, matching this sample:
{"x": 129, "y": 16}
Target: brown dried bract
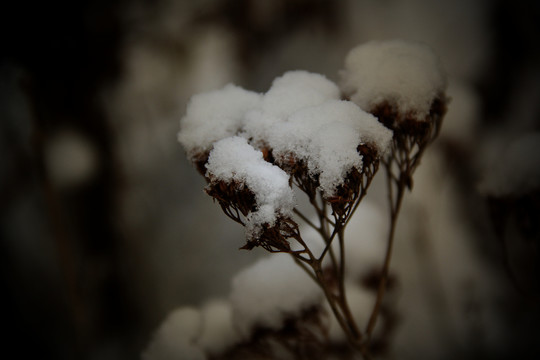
{"x": 355, "y": 185}
{"x": 275, "y": 238}
{"x": 199, "y": 160}
{"x": 408, "y": 124}
{"x": 301, "y": 337}
{"x": 300, "y": 175}
{"x": 236, "y": 200}
{"x": 411, "y": 136}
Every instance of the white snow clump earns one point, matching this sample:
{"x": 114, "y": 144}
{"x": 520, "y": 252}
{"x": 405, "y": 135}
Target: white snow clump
{"x": 407, "y": 75}
{"x": 326, "y": 138}
{"x": 296, "y": 90}
{"x": 234, "y": 160}
{"x": 289, "y": 93}
{"x": 213, "y": 116}
{"x": 301, "y": 117}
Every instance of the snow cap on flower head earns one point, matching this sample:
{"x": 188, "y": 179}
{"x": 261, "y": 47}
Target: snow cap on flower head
{"x": 406, "y": 75}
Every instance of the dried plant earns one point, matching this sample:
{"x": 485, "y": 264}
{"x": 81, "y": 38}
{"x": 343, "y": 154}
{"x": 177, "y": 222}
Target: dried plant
{"x": 411, "y": 138}
{"x": 258, "y": 196}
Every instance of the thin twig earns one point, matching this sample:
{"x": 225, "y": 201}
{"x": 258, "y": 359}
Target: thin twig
{"x": 351, "y": 323}
{"x": 305, "y": 268}
{"x": 395, "y": 205}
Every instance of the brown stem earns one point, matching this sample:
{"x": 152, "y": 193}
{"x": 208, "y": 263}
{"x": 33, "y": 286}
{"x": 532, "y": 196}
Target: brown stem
{"x": 403, "y": 163}
{"x": 353, "y": 328}
{"x": 343, "y": 317}
{"x": 325, "y": 223}
{"x": 301, "y": 263}
{"x": 337, "y": 302}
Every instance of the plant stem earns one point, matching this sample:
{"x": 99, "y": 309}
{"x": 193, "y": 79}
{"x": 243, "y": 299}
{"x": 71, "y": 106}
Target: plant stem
{"x": 395, "y": 201}
{"x": 353, "y": 328}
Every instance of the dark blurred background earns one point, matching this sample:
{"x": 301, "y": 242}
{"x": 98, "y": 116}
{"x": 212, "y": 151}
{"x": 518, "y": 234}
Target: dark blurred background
{"x": 104, "y": 224}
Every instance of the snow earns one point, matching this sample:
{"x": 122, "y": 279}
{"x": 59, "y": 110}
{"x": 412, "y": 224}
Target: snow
{"x": 264, "y": 294}
{"x": 191, "y": 334}
{"x": 234, "y": 160}
{"x": 296, "y": 90}
{"x": 289, "y": 93}
{"x": 175, "y": 338}
{"x": 408, "y": 75}
{"x": 269, "y": 291}
{"x": 213, "y": 116}
{"x": 326, "y": 138}
{"x": 218, "y": 333}
{"x": 300, "y": 116}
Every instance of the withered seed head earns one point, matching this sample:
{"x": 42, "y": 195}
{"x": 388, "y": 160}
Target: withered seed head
{"x": 275, "y": 238}
{"x": 200, "y": 160}
{"x": 234, "y": 198}
{"x": 267, "y": 154}
{"x": 409, "y": 124}
{"x": 237, "y": 202}
{"x": 299, "y": 172}
{"x": 356, "y": 183}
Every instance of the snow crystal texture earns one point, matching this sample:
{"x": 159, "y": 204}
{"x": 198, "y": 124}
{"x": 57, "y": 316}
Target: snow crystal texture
{"x": 213, "y": 116}
{"x": 234, "y": 160}
{"x": 301, "y": 117}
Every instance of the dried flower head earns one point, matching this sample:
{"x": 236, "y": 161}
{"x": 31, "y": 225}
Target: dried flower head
{"x": 402, "y": 84}
{"x": 405, "y": 75}
{"x": 249, "y": 189}
{"x": 298, "y": 133}
{"x": 408, "y": 129}
{"x": 356, "y": 183}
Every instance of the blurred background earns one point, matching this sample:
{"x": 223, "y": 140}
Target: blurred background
{"x": 105, "y": 227}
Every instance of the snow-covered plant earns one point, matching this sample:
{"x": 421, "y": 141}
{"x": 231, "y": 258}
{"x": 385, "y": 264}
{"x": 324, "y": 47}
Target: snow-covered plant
{"x": 308, "y": 133}
{"x": 403, "y": 85}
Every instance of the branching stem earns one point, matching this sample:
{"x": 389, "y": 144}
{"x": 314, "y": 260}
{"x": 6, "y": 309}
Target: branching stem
{"x": 395, "y": 201}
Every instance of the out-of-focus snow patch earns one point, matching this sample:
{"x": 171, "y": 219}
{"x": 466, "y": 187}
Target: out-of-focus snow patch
{"x": 407, "y": 75}
{"x": 175, "y": 338}
{"x": 70, "y": 159}
{"x": 269, "y": 291}
{"x": 218, "y": 332}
